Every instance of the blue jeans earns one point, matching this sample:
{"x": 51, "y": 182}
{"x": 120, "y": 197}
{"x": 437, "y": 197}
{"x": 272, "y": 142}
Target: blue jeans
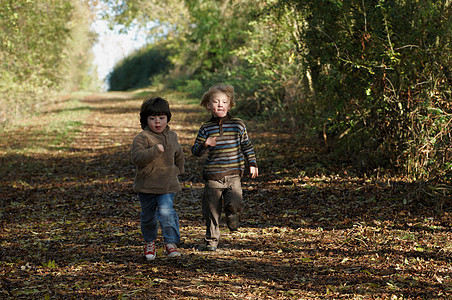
{"x": 159, "y": 208}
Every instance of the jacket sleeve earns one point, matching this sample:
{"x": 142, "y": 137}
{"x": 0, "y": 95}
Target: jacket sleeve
{"x": 179, "y": 158}
{"x": 247, "y": 148}
{"x": 198, "y": 148}
{"x": 142, "y": 152}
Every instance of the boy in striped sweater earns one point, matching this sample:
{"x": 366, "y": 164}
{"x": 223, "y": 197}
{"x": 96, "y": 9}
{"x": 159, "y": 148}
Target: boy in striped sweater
{"x": 229, "y": 150}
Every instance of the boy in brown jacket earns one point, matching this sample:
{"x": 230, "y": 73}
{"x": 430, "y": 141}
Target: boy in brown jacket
{"x": 159, "y": 160}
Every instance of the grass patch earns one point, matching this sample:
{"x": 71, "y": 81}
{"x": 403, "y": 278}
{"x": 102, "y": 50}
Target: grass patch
{"x": 49, "y": 130}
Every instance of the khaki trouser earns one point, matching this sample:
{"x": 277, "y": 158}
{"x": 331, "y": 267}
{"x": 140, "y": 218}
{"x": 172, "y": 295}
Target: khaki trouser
{"x": 218, "y": 194}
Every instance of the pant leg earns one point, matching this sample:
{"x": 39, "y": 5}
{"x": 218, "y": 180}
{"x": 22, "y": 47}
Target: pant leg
{"x": 149, "y": 224}
{"x": 233, "y": 198}
{"x": 168, "y": 218}
{"x": 211, "y": 208}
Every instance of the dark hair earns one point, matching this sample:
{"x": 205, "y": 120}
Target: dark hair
{"x": 155, "y": 106}
{"x": 227, "y": 89}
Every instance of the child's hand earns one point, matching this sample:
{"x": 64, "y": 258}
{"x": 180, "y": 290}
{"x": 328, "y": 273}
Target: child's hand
{"x": 161, "y": 148}
{"x": 254, "y": 171}
{"x": 211, "y": 141}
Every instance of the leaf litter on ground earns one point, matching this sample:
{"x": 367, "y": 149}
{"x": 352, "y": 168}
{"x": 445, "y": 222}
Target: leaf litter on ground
{"x": 311, "y": 229}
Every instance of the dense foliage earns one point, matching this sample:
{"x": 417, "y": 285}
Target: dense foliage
{"x": 45, "y": 47}
{"x": 138, "y": 69}
{"x": 379, "y": 79}
{"x": 371, "y": 78}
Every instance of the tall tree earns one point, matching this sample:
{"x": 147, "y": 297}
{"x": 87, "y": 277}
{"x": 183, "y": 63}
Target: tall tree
{"x": 39, "y": 41}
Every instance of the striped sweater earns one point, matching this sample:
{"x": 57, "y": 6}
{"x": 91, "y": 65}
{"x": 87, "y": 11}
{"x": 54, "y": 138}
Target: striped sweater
{"x": 233, "y": 147}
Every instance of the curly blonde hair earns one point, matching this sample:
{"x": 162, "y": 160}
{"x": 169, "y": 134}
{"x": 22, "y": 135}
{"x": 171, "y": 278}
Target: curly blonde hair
{"x": 227, "y": 89}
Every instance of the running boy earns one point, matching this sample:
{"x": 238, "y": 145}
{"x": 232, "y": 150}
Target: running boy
{"x": 159, "y": 159}
{"x": 229, "y": 148}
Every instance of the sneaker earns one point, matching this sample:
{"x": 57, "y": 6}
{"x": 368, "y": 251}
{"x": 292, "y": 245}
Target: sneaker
{"x": 233, "y": 222}
{"x": 149, "y": 250}
{"x": 171, "y": 250}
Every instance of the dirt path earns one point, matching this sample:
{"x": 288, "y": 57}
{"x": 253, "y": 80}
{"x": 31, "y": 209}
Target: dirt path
{"x": 70, "y": 223}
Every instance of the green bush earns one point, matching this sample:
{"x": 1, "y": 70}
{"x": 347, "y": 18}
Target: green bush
{"x": 137, "y": 71}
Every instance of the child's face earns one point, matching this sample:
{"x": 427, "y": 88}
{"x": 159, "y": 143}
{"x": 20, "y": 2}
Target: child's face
{"x": 158, "y": 123}
{"x": 219, "y": 104}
